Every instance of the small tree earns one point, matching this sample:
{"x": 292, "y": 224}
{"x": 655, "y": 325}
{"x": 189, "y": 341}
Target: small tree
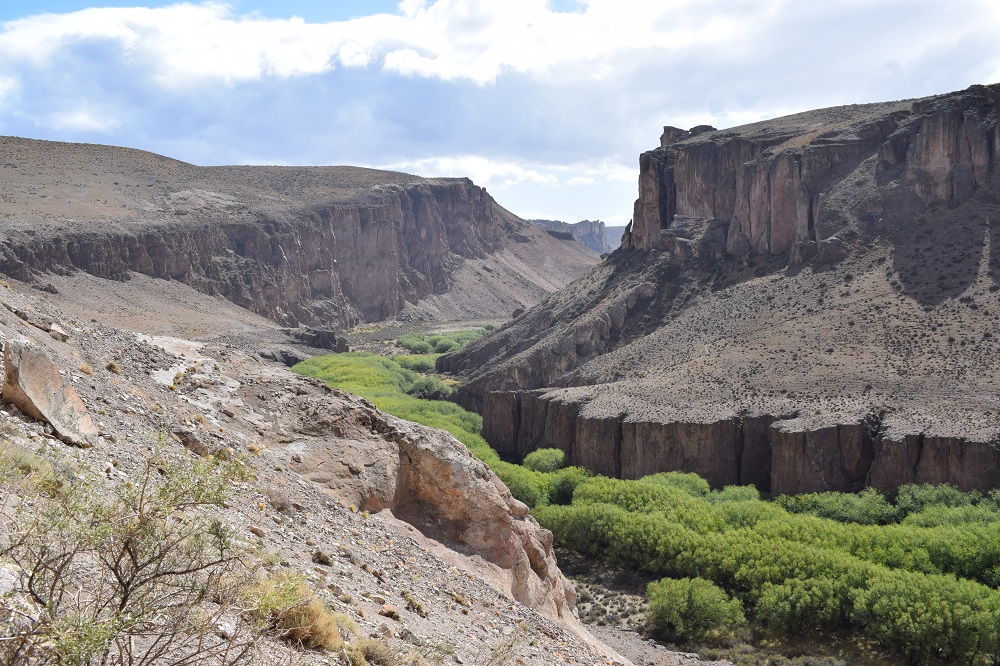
{"x": 681, "y": 610}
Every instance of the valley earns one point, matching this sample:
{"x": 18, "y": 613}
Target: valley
{"x": 770, "y": 414}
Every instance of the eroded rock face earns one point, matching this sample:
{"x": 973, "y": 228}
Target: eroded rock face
{"x": 319, "y": 246}
{"x": 32, "y": 383}
{"x": 590, "y": 233}
{"x": 768, "y": 182}
{"x": 430, "y": 480}
{"x": 779, "y": 455}
{"x": 781, "y": 282}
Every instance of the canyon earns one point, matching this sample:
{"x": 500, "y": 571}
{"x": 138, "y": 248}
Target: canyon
{"x": 802, "y": 304}
{"x": 325, "y": 247}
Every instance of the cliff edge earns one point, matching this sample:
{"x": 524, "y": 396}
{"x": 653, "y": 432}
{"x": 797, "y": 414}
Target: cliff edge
{"x": 316, "y": 246}
{"x": 804, "y": 304}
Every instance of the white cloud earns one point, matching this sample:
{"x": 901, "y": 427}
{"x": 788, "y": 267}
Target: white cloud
{"x": 81, "y": 120}
{"x": 9, "y": 86}
{"x": 581, "y": 180}
{"x": 488, "y": 173}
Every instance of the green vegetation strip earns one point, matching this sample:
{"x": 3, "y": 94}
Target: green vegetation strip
{"x": 927, "y": 593}
{"x": 917, "y": 573}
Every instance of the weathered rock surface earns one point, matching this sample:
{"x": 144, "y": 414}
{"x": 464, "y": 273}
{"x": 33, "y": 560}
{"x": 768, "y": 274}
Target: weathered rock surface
{"x": 803, "y": 304}
{"x": 321, "y": 246}
{"x": 591, "y": 233}
{"x": 32, "y": 383}
{"x": 430, "y": 480}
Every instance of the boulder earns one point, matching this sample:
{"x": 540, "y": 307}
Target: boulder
{"x": 32, "y": 383}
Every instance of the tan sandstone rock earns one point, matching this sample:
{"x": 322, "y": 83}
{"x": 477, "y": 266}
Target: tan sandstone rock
{"x": 32, "y": 383}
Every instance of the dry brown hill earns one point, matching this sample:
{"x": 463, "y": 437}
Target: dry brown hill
{"x": 321, "y": 246}
{"x": 807, "y": 303}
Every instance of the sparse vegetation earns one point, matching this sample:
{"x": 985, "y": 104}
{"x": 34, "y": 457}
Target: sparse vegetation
{"x": 284, "y": 605}
{"x": 123, "y": 578}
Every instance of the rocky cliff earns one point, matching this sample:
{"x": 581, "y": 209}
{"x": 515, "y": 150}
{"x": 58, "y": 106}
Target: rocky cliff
{"x": 590, "y": 233}
{"x": 804, "y": 304}
{"x": 322, "y": 246}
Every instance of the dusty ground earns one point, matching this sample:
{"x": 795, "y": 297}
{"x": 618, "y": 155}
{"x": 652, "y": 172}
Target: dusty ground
{"x": 233, "y": 399}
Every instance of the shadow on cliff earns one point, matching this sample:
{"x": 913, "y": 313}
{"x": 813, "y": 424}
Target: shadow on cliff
{"x": 937, "y": 254}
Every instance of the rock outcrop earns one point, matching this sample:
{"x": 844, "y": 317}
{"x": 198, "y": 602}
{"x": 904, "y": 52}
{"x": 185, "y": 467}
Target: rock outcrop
{"x": 591, "y": 233}
{"x": 430, "y": 480}
{"x": 322, "y": 246}
{"x": 32, "y": 383}
{"x": 783, "y": 287}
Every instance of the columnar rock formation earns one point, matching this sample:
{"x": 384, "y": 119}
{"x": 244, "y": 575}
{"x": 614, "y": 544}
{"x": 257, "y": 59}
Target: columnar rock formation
{"x": 320, "y": 246}
{"x": 803, "y": 304}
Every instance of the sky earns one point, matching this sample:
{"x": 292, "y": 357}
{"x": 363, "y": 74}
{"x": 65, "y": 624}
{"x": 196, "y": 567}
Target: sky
{"x": 547, "y": 104}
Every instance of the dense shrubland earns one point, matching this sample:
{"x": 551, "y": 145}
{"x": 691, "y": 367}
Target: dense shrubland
{"x": 916, "y": 572}
{"x": 925, "y": 592}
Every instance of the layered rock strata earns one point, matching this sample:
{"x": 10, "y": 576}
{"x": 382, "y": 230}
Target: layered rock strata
{"x": 590, "y": 233}
{"x": 783, "y": 287}
{"x": 322, "y": 246}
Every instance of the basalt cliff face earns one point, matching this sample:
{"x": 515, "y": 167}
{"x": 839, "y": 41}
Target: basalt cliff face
{"x": 804, "y": 304}
{"x": 590, "y": 233}
{"x": 321, "y": 246}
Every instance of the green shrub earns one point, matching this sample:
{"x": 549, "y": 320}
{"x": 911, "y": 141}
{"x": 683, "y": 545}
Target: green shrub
{"x": 429, "y": 388}
{"x": 691, "y": 609}
{"x": 929, "y": 618}
{"x": 415, "y": 343}
{"x": 913, "y": 498}
{"x": 148, "y": 559}
{"x": 532, "y": 488}
{"x": 545, "y": 460}
{"x": 445, "y": 345}
{"x": 936, "y": 515}
{"x": 690, "y": 483}
{"x": 869, "y": 507}
{"x": 564, "y": 483}
{"x": 734, "y": 494}
{"x": 799, "y": 606}
{"x": 416, "y": 362}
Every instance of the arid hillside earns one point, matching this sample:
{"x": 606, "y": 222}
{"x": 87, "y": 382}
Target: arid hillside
{"x": 807, "y": 303}
{"x": 317, "y": 246}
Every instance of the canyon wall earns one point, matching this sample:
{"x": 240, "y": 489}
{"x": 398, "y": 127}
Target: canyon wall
{"x": 783, "y": 286}
{"x": 780, "y": 455}
{"x": 335, "y": 253}
{"x": 768, "y": 182}
{"x": 590, "y": 233}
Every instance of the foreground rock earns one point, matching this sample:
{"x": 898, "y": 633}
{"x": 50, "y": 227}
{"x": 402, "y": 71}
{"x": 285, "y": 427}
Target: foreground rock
{"x": 32, "y": 383}
{"x": 429, "y": 479}
{"x": 803, "y": 304}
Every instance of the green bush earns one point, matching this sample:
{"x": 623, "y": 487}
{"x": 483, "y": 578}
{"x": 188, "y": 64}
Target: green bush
{"x": 416, "y": 362}
{"x": 429, "y": 388}
{"x": 532, "y": 488}
{"x": 545, "y": 460}
{"x": 564, "y": 482}
{"x": 913, "y": 498}
{"x": 868, "y": 507}
{"x": 415, "y": 343}
{"x": 799, "y": 606}
{"x": 734, "y": 494}
{"x": 690, "y": 483}
{"x": 691, "y": 609}
{"x": 445, "y": 345}
{"x": 929, "y": 618}
{"x": 419, "y": 343}
{"x": 384, "y": 382}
